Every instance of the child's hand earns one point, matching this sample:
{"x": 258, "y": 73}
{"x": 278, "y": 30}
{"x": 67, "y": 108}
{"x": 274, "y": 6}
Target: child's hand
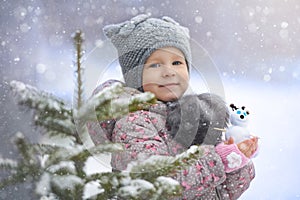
{"x": 247, "y": 147}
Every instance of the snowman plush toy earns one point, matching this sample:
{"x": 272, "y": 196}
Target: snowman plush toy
{"x": 239, "y": 118}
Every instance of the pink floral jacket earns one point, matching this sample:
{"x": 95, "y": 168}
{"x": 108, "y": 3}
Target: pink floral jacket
{"x": 223, "y": 172}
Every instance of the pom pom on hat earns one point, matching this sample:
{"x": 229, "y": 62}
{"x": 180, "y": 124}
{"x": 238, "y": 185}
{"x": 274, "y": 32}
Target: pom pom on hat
{"x": 137, "y": 38}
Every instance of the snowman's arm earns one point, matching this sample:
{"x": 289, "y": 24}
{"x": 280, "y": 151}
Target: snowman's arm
{"x": 220, "y": 129}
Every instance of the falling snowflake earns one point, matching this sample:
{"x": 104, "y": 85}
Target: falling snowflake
{"x": 198, "y": 19}
{"x": 267, "y": 77}
{"x": 40, "y": 68}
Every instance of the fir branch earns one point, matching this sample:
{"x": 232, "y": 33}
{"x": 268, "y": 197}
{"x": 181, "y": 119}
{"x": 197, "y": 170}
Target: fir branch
{"x": 87, "y": 111}
{"x": 54, "y": 126}
{"x": 77, "y": 153}
{"x": 157, "y": 166}
{"x": 45, "y": 149}
{"x": 166, "y": 187}
{"x": 137, "y": 189}
{"x": 107, "y": 105}
{"x": 160, "y": 188}
{"x": 62, "y": 168}
{"x": 51, "y": 113}
{"x": 27, "y": 167}
{"x": 8, "y": 164}
{"x": 25, "y": 149}
{"x": 78, "y": 41}
{"x": 121, "y": 185}
{"x": 80, "y": 158}
{"x": 109, "y": 183}
{"x": 122, "y": 106}
{"x": 146, "y": 180}
{"x": 14, "y": 178}
{"x": 39, "y": 101}
{"x": 62, "y": 154}
{"x": 106, "y": 148}
{"x": 24, "y": 170}
{"x": 67, "y": 187}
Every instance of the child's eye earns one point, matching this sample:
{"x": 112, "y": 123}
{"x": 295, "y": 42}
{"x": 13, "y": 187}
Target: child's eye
{"x": 155, "y": 65}
{"x": 177, "y": 63}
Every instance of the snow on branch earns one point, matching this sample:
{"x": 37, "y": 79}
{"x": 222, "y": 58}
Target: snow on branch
{"x": 38, "y": 100}
{"x": 146, "y": 179}
{"x": 50, "y": 112}
{"x": 122, "y": 185}
{"x": 28, "y": 167}
{"x": 107, "y": 105}
{"x": 162, "y": 166}
{"x": 7, "y": 164}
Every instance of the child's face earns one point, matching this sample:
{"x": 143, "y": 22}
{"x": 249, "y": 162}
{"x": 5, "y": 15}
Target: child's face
{"x": 166, "y": 74}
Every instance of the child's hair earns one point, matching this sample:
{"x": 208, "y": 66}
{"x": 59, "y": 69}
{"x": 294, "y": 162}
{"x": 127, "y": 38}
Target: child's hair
{"x": 195, "y": 119}
{"x": 137, "y": 38}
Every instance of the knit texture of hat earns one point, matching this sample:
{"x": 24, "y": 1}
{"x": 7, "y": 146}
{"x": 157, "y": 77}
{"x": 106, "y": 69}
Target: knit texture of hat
{"x": 137, "y": 38}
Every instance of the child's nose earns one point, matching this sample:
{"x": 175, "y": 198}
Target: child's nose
{"x": 168, "y": 71}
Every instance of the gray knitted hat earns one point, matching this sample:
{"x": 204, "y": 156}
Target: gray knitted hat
{"x": 137, "y": 38}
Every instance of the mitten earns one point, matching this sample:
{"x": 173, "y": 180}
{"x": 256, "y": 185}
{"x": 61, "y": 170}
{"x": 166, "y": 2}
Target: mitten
{"x": 231, "y": 156}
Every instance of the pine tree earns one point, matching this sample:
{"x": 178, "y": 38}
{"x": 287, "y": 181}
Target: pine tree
{"x": 57, "y": 168}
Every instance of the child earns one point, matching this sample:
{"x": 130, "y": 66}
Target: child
{"x": 155, "y": 56}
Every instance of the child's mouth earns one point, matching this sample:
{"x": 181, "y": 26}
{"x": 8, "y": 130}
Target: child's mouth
{"x": 169, "y": 85}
